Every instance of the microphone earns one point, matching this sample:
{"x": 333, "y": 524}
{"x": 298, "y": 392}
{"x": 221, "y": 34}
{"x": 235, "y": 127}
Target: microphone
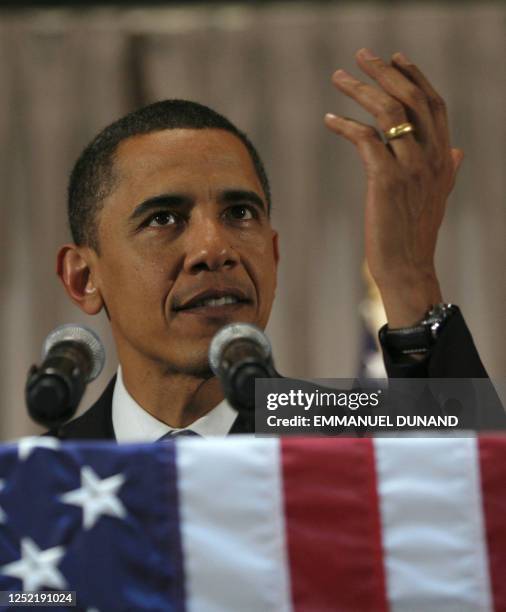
{"x": 72, "y": 356}
{"x": 238, "y": 354}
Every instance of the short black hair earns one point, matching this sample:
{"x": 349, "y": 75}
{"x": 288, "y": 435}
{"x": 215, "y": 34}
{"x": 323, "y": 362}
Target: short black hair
{"x": 92, "y": 178}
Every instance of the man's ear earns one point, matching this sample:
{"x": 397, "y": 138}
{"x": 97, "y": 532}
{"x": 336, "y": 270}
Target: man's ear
{"x": 74, "y": 266}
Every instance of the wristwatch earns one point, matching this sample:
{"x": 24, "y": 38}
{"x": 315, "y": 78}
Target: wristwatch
{"x": 419, "y": 338}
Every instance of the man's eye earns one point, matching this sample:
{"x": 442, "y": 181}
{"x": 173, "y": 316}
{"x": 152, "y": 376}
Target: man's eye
{"x": 161, "y": 218}
{"x": 240, "y": 213}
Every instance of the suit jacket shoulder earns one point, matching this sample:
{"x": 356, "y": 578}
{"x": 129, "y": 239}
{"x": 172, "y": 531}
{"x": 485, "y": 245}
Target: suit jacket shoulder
{"x": 94, "y": 424}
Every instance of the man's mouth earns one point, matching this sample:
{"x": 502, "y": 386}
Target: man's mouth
{"x": 213, "y": 301}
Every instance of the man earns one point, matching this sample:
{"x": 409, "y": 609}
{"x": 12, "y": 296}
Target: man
{"x": 169, "y": 209}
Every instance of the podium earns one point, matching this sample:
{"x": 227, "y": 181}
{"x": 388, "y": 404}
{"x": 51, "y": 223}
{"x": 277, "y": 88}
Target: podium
{"x": 245, "y": 524}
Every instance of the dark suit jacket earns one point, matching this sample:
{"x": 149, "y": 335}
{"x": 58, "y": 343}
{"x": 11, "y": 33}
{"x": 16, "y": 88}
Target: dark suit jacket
{"x": 453, "y": 356}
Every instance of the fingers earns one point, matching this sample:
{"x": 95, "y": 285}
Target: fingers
{"x": 374, "y": 154}
{"x": 384, "y": 108}
{"x": 387, "y": 111}
{"x": 404, "y": 90}
{"x": 435, "y": 101}
{"x": 404, "y": 94}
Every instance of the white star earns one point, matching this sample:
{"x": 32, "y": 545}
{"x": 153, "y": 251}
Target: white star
{"x": 37, "y": 568}
{"x": 3, "y": 516}
{"x": 27, "y": 445}
{"x": 96, "y": 496}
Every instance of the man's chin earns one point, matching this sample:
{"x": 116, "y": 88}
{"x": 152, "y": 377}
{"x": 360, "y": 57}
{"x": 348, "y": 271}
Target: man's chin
{"x": 192, "y": 360}
{"x": 194, "y": 339}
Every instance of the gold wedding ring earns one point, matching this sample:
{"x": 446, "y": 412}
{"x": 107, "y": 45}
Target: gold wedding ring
{"x": 399, "y": 130}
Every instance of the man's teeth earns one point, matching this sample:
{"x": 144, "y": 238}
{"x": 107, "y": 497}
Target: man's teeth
{"x": 228, "y": 299}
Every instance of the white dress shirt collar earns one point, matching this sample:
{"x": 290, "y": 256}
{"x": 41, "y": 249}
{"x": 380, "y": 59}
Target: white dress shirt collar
{"x": 134, "y": 424}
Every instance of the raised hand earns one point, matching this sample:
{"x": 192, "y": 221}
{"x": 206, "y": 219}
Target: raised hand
{"x": 409, "y": 178}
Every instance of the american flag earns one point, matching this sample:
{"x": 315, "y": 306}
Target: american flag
{"x": 245, "y": 524}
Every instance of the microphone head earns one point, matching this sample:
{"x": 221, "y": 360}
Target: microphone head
{"x": 236, "y": 331}
{"x": 71, "y": 332}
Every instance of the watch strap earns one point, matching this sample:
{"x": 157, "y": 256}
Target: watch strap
{"x": 406, "y": 340}
{"x": 419, "y": 338}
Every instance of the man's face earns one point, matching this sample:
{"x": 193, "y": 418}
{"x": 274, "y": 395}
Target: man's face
{"x": 186, "y": 246}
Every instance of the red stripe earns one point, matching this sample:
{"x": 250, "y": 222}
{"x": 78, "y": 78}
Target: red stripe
{"x": 493, "y": 484}
{"x": 333, "y": 525}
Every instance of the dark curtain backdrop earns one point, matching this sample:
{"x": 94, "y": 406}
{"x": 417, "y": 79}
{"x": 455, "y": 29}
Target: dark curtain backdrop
{"x": 64, "y": 75}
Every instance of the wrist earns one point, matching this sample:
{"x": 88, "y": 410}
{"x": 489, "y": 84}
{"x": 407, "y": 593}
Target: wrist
{"x": 407, "y": 301}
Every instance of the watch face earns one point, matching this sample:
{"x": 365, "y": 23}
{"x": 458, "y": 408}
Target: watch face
{"x": 436, "y": 317}
{"x": 434, "y": 328}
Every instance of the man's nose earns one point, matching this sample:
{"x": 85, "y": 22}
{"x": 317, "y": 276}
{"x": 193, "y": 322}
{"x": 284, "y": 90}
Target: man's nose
{"x": 209, "y": 248}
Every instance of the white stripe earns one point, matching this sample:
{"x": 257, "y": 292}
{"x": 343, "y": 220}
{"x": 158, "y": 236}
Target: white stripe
{"x": 433, "y": 532}
{"x": 232, "y": 524}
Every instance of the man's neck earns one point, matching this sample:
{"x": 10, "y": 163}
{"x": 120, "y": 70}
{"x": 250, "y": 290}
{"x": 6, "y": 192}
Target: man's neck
{"x": 174, "y": 398}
